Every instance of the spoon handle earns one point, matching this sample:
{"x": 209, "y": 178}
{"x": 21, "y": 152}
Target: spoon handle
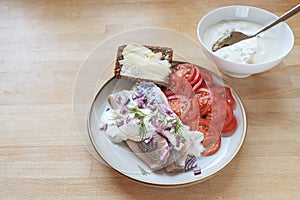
{"x": 285, "y": 16}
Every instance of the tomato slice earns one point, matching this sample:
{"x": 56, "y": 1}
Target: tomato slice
{"x": 229, "y": 129}
{"x": 197, "y": 77}
{"x": 193, "y": 124}
{"x": 217, "y": 112}
{"x": 212, "y": 144}
{"x": 204, "y": 100}
{"x": 198, "y": 84}
{"x": 185, "y": 70}
{"x": 207, "y": 77}
{"x": 204, "y": 125}
{"x": 192, "y": 74}
{"x": 193, "y": 113}
{"x": 167, "y": 92}
{"x": 180, "y": 86}
{"x": 224, "y": 93}
{"x": 179, "y": 104}
{"x": 229, "y": 97}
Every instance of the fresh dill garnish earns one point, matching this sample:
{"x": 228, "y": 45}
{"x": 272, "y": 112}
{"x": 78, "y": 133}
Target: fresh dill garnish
{"x": 143, "y": 171}
{"x": 139, "y": 114}
{"x": 177, "y": 126}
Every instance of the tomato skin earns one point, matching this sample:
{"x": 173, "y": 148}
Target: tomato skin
{"x": 207, "y": 77}
{"x": 185, "y": 70}
{"x": 180, "y": 86}
{"x": 224, "y": 93}
{"x": 205, "y": 100}
{"x": 230, "y": 128}
{"x": 198, "y": 77}
{"x": 193, "y": 113}
{"x": 179, "y": 104}
{"x": 193, "y": 124}
{"x": 213, "y": 147}
{"x": 167, "y": 92}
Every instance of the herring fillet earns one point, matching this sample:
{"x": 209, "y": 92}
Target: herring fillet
{"x": 174, "y": 160}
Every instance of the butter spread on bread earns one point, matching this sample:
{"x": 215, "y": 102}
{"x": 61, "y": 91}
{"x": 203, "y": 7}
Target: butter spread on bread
{"x": 141, "y": 63}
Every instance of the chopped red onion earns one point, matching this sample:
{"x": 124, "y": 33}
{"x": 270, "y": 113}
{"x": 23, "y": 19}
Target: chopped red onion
{"x": 123, "y": 110}
{"x": 104, "y": 127}
{"x": 140, "y": 103}
{"x": 120, "y": 123}
{"x": 151, "y": 107}
{"x": 197, "y": 171}
{"x": 126, "y": 102}
{"x": 165, "y": 153}
{"x": 118, "y": 99}
{"x": 128, "y": 119}
{"x": 138, "y": 96}
{"x": 191, "y": 163}
{"x": 166, "y": 111}
{"x": 169, "y": 126}
{"x": 152, "y": 102}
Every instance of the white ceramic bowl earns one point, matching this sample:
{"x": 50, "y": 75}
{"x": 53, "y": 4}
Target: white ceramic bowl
{"x": 252, "y": 14}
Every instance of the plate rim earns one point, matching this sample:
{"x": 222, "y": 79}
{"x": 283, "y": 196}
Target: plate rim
{"x": 241, "y": 143}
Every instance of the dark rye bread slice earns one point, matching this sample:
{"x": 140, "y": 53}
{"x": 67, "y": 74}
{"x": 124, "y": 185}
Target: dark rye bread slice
{"x": 167, "y": 54}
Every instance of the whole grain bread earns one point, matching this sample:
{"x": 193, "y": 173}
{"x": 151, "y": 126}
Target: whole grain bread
{"x": 167, "y": 54}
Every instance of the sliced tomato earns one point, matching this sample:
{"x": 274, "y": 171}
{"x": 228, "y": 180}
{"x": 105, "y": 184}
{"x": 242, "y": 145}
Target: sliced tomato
{"x": 198, "y": 83}
{"x": 193, "y": 124}
{"x": 168, "y": 92}
{"x": 198, "y": 77}
{"x": 207, "y": 77}
{"x": 193, "y": 113}
{"x": 212, "y": 144}
{"x": 229, "y": 97}
{"x": 204, "y": 125}
{"x": 180, "y": 86}
{"x": 224, "y": 93}
{"x": 205, "y": 100}
{"x": 217, "y": 112}
{"x": 192, "y": 74}
{"x": 179, "y": 104}
{"x": 229, "y": 129}
{"x": 185, "y": 70}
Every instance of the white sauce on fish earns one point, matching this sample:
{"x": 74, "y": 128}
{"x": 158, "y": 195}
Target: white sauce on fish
{"x": 262, "y": 48}
{"x": 122, "y": 125}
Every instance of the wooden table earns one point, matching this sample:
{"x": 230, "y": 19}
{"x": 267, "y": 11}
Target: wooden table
{"x": 43, "y": 44}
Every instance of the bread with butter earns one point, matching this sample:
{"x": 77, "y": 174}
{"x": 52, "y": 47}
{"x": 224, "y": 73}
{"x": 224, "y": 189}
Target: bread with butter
{"x": 144, "y": 63}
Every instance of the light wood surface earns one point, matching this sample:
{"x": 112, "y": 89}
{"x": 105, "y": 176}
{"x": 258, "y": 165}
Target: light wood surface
{"x": 42, "y": 45}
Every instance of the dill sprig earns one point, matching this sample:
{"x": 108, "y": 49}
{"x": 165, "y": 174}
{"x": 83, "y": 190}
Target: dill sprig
{"x": 139, "y": 114}
{"x": 177, "y": 126}
{"x": 143, "y": 171}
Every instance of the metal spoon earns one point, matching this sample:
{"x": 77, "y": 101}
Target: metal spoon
{"x": 236, "y": 36}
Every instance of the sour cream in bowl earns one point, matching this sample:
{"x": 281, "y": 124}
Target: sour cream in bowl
{"x": 250, "y": 56}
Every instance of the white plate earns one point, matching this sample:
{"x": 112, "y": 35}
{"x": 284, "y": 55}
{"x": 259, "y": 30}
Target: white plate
{"x": 119, "y": 157}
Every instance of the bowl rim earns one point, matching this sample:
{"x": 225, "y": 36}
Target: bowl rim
{"x": 245, "y": 64}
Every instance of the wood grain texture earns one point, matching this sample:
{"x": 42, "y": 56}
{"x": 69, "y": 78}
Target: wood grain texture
{"x": 42, "y": 45}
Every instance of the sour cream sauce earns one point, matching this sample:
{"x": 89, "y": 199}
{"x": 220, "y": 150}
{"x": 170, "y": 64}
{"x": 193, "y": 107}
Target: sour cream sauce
{"x": 262, "y": 48}
{"x": 131, "y": 130}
